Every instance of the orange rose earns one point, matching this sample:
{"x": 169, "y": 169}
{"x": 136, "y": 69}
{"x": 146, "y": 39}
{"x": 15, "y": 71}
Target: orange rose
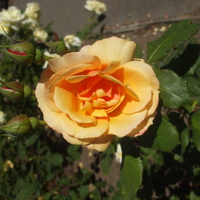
{"x": 92, "y": 95}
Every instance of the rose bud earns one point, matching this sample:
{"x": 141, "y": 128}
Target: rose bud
{"x": 57, "y": 47}
{"x": 22, "y": 52}
{"x": 13, "y": 90}
{"x": 17, "y": 126}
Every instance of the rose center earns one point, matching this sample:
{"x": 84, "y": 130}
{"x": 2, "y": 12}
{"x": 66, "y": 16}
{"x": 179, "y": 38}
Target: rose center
{"x": 99, "y": 93}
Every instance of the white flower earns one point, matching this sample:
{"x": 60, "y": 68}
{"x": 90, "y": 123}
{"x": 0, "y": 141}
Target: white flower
{"x": 118, "y": 153}
{"x": 2, "y": 117}
{"x": 40, "y": 34}
{"x": 32, "y": 11}
{"x": 72, "y": 40}
{"x": 11, "y": 17}
{"x": 95, "y": 6}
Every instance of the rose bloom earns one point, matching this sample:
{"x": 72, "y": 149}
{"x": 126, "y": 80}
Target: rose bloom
{"x": 95, "y": 6}
{"x": 11, "y": 17}
{"x": 40, "y": 34}
{"x": 101, "y": 91}
{"x": 32, "y": 11}
{"x": 72, "y": 40}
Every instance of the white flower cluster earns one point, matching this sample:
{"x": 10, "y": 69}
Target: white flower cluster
{"x": 95, "y": 6}
{"x": 72, "y": 40}
{"x": 12, "y": 18}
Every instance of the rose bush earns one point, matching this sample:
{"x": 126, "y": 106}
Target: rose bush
{"x": 101, "y": 91}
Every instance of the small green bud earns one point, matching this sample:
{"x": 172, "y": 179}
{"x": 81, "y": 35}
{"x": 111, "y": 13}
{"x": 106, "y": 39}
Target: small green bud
{"x": 22, "y": 52}
{"x": 57, "y": 47}
{"x": 27, "y": 91}
{"x": 13, "y": 90}
{"x": 18, "y": 126}
{"x": 40, "y": 57}
{"x": 34, "y": 122}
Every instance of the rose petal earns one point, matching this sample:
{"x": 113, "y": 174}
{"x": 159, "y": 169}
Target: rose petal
{"x": 108, "y": 50}
{"x": 101, "y": 143}
{"x": 51, "y": 118}
{"x": 83, "y": 131}
{"x": 140, "y": 84}
{"x": 72, "y": 59}
{"x": 68, "y": 103}
{"x": 121, "y": 124}
{"x": 112, "y": 67}
{"x": 147, "y": 69}
{"x": 143, "y": 126}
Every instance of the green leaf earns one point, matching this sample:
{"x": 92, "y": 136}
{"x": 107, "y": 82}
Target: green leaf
{"x": 56, "y": 159}
{"x": 27, "y": 191}
{"x": 167, "y": 137}
{"x": 83, "y": 191}
{"x": 196, "y": 129}
{"x": 130, "y": 178}
{"x": 138, "y": 52}
{"x": 21, "y": 150}
{"x": 73, "y": 152}
{"x": 105, "y": 164}
{"x": 31, "y": 140}
{"x": 185, "y": 138}
{"x": 194, "y": 88}
{"x": 176, "y": 34}
{"x": 173, "y": 89}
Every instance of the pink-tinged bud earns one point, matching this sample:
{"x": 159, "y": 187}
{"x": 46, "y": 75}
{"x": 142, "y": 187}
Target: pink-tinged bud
{"x": 22, "y": 52}
{"x": 18, "y": 126}
{"x": 13, "y": 90}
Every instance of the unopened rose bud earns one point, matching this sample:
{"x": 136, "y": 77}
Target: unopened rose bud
{"x": 22, "y": 52}
{"x": 57, "y": 47}
{"x": 17, "y": 126}
{"x": 13, "y": 90}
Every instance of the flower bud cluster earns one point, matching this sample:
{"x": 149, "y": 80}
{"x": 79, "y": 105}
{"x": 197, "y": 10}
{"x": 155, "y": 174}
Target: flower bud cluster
{"x": 25, "y": 53}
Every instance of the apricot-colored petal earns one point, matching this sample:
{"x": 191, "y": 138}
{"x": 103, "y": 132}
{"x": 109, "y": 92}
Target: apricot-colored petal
{"x": 99, "y": 113}
{"x": 111, "y": 78}
{"x": 152, "y": 105}
{"x": 46, "y": 74}
{"x": 131, "y": 93}
{"x": 48, "y": 98}
{"x": 56, "y": 64}
{"x": 82, "y": 131}
{"x": 140, "y": 84}
{"x": 112, "y": 67}
{"x": 76, "y": 79}
{"x": 72, "y": 59}
{"x": 101, "y": 143}
{"x": 143, "y": 126}
{"x": 121, "y": 124}
{"x": 147, "y": 69}
{"x": 68, "y": 103}
{"x": 50, "y": 117}
{"x": 111, "y": 49}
